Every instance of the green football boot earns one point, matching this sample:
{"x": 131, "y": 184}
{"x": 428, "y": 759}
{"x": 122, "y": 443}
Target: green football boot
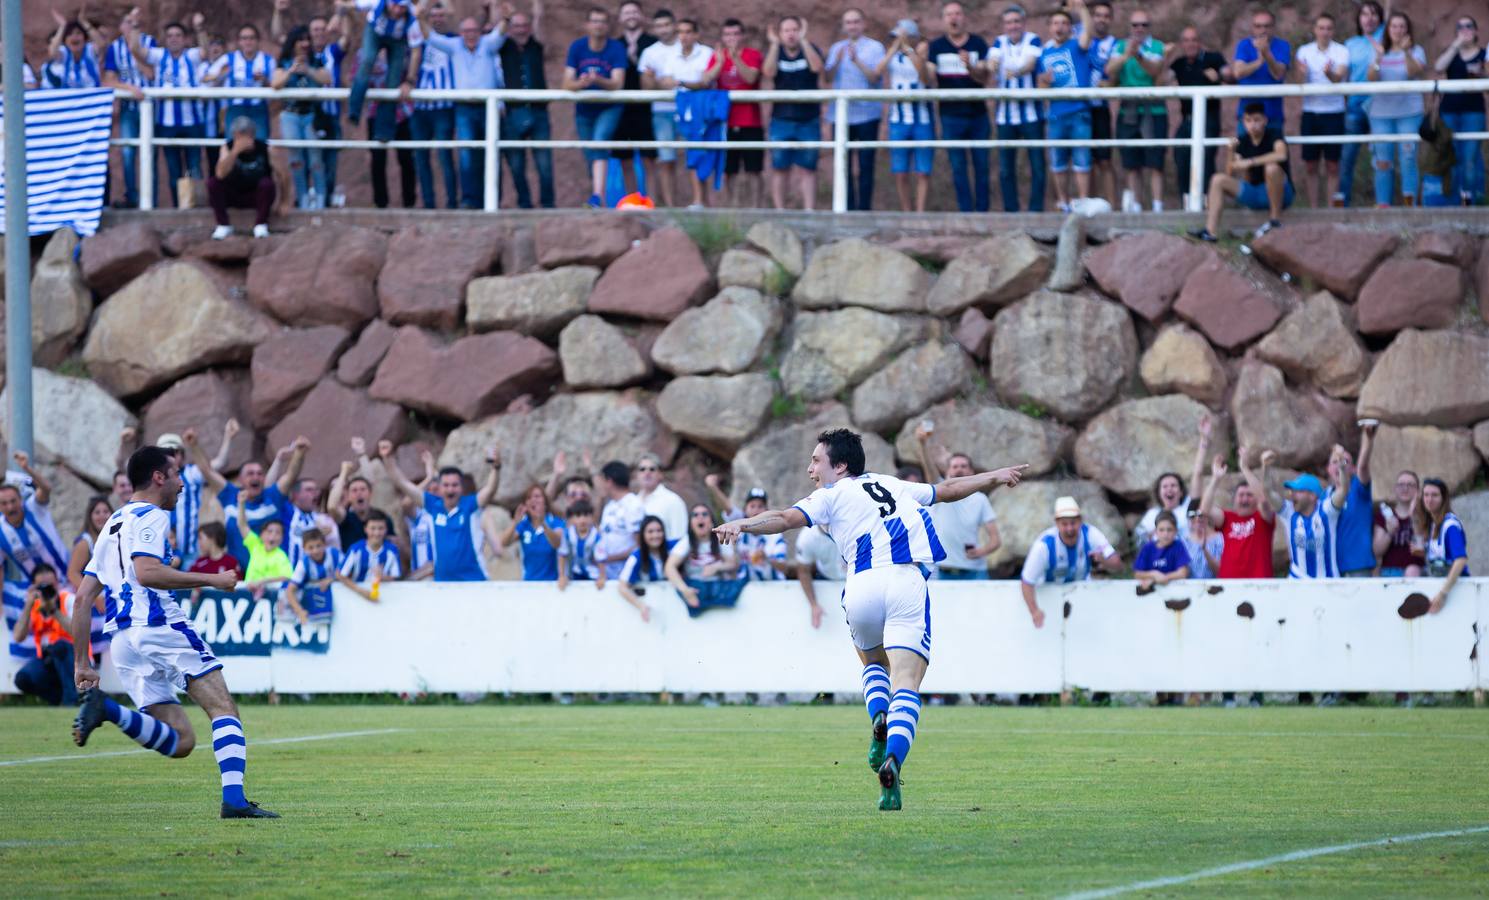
{"x": 889, "y": 784}
{"x": 879, "y": 736}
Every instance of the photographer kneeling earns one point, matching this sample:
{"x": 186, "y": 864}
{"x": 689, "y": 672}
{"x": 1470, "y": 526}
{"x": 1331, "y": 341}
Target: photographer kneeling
{"x": 45, "y": 618}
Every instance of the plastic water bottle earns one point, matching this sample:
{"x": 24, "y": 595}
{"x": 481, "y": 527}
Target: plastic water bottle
{"x": 338, "y": 198}
{"x": 312, "y": 199}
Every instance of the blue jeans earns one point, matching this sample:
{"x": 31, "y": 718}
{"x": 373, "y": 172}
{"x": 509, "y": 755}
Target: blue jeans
{"x": 470, "y": 125}
{"x": 1072, "y": 126}
{"x": 1008, "y": 178}
{"x": 1468, "y": 174}
{"x": 912, "y": 158}
{"x": 179, "y": 159}
{"x": 1355, "y": 122}
{"x": 328, "y": 156}
{"x": 1385, "y": 156}
{"x": 305, "y": 164}
{"x": 861, "y": 190}
{"x": 435, "y": 125}
{"x": 968, "y": 128}
{"x": 387, "y": 113}
{"x": 530, "y": 123}
{"x": 259, "y": 114}
{"x": 129, "y": 127}
{"x": 596, "y": 126}
{"x": 794, "y": 130}
{"x": 50, "y": 676}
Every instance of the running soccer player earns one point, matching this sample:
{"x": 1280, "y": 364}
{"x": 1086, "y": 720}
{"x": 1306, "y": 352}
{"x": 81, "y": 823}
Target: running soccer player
{"x": 884, "y": 533}
{"x": 153, "y": 646}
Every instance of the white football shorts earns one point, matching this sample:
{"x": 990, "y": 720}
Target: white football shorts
{"x": 155, "y": 662}
{"x": 891, "y": 608}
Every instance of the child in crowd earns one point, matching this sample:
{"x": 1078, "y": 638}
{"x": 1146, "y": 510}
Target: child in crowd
{"x": 577, "y": 555}
{"x": 372, "y": 559}
{"x": 1162, "y": 559}
{"x": 268, "y": 564}
{"x": 1203, "y": 544}
{"x": 308, "y": 593}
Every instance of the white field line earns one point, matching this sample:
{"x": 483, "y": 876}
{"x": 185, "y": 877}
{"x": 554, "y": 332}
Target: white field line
{"x": 1248, "y": 865}
{"x": 335, "y": 735}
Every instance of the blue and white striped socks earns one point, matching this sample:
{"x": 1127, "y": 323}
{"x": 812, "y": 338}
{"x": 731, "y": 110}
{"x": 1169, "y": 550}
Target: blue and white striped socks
{"x": 904, "y": 715}
{"x": 142, "y": 728}
{"x": 875, "y": 689}
{"x": 231, "y": 751}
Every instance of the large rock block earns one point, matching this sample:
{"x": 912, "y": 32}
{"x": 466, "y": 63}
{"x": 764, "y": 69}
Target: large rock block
{"x": 1339, "y": 259}
{"x": 359, "y": 364}
{"x": 331, "y": 415}
{"x": 537, "y": 303}
{"x": 974, "y": 331}
{"x": 115, "y": 256}
{"x": 1147, "y": 270}
{"x": 596, "y": 354}
{"x": 1429, "y": 378}
{"x": 1129, "y": 445}
{"x": 1458, "y": 248}
{"x": 1411, "y": 293}
{"x": 60, "y": 303}
{"x": 605, "y": 424}
{"x": 1481, "y": 439}
{"x": 780, "y": 244}
{"x": 917, "y": 378}
{"x": 1317, "y": 343}
{"x": 657, "y": 279}
{"x": 74, "y": 422}
{"x": 990, "y": 274}
{"x": 1181, "y": 360}
{"x": 1271, "y": 416}
{"x": 585, "y": 241}
{"x": 1027, "y": 510}
{"x": 288, "y": 365}
{"x": 1473, "y": 509}
{"x": 1229, "y": 306}
{"x": 831, "y": 351}
{"x": 130, "y": 350}
{"x": 466, "y": 379}
{"x": 320, "y": 276}
{"x": 428, "y": 266}
{"x": 205, "y": 401}
{"x": 856, "y": 273}
{"x": 728, "y": 334}
{"x": 717, "y": 412}
{"x": 1067, "y": 353}
{"x": 1431, "y": 452}
{"x": 755, "y": 271}
{"x": 992, "y": 435}
{"x": 777, "y": 458}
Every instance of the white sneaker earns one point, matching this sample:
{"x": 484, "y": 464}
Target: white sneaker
{"x": 261, "y": 231}
{"x": 222, "y": 232}
{"x": 1158, "y": 206}
{"x": 1129, "y": 203}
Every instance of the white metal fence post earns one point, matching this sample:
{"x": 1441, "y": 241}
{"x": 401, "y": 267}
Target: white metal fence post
{"x": 493, "y": 135}
{"x": 146, "y": 158}
{"x": 1199, "y": 126}
{"x": 840, "y": 155}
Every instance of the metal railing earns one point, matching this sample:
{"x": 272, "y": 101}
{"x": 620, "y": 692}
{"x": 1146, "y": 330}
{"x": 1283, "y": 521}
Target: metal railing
{"x": 1195, "y": 99}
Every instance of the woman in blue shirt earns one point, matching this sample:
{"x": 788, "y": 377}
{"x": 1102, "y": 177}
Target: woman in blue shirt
{"x": 540, "y": 533}
{"x": 1447, "y": 545}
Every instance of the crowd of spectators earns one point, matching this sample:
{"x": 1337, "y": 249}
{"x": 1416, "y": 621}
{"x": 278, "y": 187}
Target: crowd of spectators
{"x": 375, "y": 43}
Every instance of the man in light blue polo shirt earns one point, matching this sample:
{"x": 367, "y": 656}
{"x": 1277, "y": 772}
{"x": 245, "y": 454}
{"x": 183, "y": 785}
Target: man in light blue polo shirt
{"x": 458, "y": 536}
{"x": 473, "y": 56}
{"x": 851, "y": 64}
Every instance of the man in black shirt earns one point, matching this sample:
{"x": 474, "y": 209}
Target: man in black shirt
{"x": 1194, "y": 66}
{"x": 243, "y": 179}
{"x": 635, "y": 118}
{"x": 1256, "y": 173}
{"x": 522, "y": 67}
{"x": 793, "y": 64}
{"x": 959, "y": 59}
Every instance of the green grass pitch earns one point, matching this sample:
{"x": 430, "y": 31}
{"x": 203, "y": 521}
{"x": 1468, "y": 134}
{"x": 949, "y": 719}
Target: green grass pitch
{"x": 687, "y": 801}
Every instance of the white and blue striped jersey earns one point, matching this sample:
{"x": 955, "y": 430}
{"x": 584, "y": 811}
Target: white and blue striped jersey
{"x": 1312, "y": 540}
{"x": 238, "y": 70}
{"x": 360, "y": 559}
{"x": 773, "y": 546}
{"x": 187, "y": 515}
{"x": 314, "y": 578}
{"x": 384, "y": 25}
{"x": 1016, "y": 56}
{"x": 904, "y": 76}
{"x": 331, "y": 57}
{"x": 300, "y": 522}
{"x": 34, "y": 540}
{"x": 578, "y": 552}
{"x": 135, "y": 529}
{"x": 118, "y": 59}
{"x": 67, "y": 71}
{"x": 1052, "y": 561}
{"x": 185, "y": 70}
{"x": 436, "y": 73}
{"x": 877, "y": 521}
{"x": 421, "y": 540}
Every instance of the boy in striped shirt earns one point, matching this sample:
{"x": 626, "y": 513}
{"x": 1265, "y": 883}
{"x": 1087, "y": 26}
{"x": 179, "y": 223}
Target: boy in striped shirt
{"x": 372, "y": 559}
{"x": 308, "y": 592}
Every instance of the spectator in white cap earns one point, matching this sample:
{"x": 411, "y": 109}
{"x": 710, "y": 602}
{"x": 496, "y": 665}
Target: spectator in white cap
{"x": 1065, "y": 554}
{"x": 658, "y": 500}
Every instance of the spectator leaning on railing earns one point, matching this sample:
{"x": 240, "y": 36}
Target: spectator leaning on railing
{"x": 959, "y": 61}
{"x": 646, "y": 563}
{"x": 1066, "y": 553}
{"x": 540, "y": 534}
{"x": 817, "y": 559}
{"x": 576, "y": 555}
{"x": 1163, "y": 558}
{"x": 1396, "y": 542}
{"x": 1447, "y": 547}
{"x": 705, "y": 574}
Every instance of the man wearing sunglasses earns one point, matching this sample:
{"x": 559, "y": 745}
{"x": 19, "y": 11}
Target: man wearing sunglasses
{"x": 1137, "y": 61}
{"x": 658, "y": 500}
{"x": 1262, "y": 58}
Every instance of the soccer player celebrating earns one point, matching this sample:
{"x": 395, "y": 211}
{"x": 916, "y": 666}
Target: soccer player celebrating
{"x": 153, "y": 646}
{"x": 884, "y": 533}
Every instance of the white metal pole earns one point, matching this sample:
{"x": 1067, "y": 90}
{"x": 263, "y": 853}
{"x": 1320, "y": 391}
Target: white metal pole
{"x": 146, "y": 159}
{"x": 840, "y": 155}
{"x": 493, "y": 135}
{"x": 1198, "y": 126}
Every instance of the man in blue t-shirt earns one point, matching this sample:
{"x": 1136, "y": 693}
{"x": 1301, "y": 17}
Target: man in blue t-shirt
{"x": 1356, "y": 520}
{"x": 262, "y": 504}
{"x": 1065, "y": 62}
{"x": 596, "y": 62}
{"x": 458, "y": 536}
{"x": 1262, "y": 58}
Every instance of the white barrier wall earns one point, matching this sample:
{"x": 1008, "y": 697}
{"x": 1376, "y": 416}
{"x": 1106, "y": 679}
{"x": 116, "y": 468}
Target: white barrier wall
{"x": 511, "y": 636}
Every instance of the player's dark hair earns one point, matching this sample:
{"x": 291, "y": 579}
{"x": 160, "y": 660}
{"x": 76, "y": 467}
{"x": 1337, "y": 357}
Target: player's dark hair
{"x": 617, "y": 472}
{"x": 145, "y": 462}
{"x": 1253, "y": 109}
{"x": 1158, "y": 483}
{"x": 216, "y": 532}
{"x": 581, "y": 507}
{"x": 645, "y": 551}
{"x": 1168, "y": 517}
{"x": 844, "y": 448}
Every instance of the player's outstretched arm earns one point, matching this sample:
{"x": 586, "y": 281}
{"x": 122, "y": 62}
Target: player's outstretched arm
{"x": 952, "y": 489}
{"x": 772, "y": 521}
{"x": 152, "y": 573}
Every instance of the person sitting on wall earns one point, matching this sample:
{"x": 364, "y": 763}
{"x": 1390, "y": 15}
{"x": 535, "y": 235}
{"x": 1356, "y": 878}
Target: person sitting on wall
{"x": 1255, "y": 172}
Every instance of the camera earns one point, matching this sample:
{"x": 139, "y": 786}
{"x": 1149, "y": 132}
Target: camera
{"x": 47, "y": 591}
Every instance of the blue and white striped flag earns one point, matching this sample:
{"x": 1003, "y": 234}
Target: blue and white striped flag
{"x": 67, "y": 157}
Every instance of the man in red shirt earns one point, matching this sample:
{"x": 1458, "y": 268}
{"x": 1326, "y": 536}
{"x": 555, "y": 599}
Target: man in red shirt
{"x": 1247, "y": 531}
{"x": 735, "y": 67}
